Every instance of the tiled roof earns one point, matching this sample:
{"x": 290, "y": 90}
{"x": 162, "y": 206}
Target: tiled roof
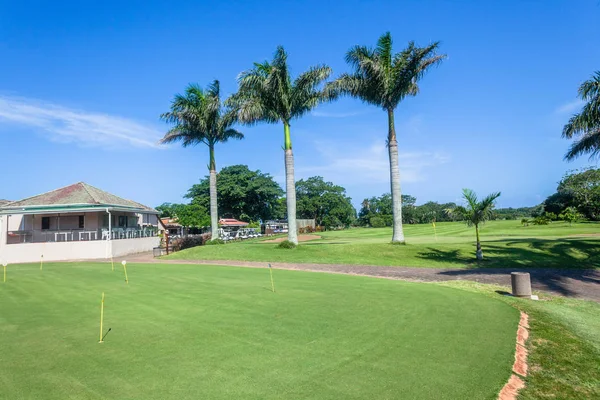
{"x": 77, "y": 194}
{"x": 231, "y": 222}
{"x": 170, "y": 222}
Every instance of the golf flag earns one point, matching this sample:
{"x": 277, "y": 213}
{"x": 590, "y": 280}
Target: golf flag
{"x": 434, "y": 230}
{"x": 125, "y": 269}
{"x": 271, "y": 273}
{"x": 101, "y": 317}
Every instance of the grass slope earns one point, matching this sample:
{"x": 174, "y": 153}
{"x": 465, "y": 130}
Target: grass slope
{"x": 505, "y": 244}
{"x": 189, "y": 332}
{"x": 564, "y": 344}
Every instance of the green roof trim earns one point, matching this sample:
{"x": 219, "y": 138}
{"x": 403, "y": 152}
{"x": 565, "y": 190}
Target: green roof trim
{"x": 77, "y": 196}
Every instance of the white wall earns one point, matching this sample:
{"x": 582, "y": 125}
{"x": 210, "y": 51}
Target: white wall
{"x": 124, "y": 247}
{"x": 84, "y": 250}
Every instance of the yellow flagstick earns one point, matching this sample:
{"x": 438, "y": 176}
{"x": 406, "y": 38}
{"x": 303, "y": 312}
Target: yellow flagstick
{"x": 272, "y": 284}
{"x": 125, "y": 269}
{"x": 42, "y": 263}
{"x": 4, "y": 265}
{"x": 434, "y": 230}
{"x": 101, "y": 318}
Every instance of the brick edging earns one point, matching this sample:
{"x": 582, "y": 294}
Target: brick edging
{"x": 515, "y": 383}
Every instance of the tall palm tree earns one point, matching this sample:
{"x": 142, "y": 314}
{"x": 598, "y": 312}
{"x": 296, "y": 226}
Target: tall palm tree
{"x": 384, "y": 79}
{"x": 267, "y": 94}
{"x": 475, "y": 213}
{"x": 585, "y": 126}
{"x": 198, "y": 117}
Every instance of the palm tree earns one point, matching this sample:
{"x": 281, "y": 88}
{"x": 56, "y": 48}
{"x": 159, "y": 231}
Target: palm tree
{"x": 475, "y": 213}
{"x": 267, "y": 94}
{"x": 585, "y": 126}
{"x": 383, "y": 79}
{"x": 198, "y": 117}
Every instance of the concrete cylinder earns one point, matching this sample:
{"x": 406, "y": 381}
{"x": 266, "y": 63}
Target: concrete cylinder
{"x": 521, "y": 284}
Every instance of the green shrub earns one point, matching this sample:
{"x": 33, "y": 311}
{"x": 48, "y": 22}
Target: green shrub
{"x": 214, "y": 241}
{"x": 286, "y": 244}
{"x": 541, "y": 220}
{"x": 377, "y": 222}
{"x": 525, "y": 221}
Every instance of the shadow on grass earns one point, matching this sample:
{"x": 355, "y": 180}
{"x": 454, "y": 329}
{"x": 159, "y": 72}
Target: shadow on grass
{"x": 568, "y": 266}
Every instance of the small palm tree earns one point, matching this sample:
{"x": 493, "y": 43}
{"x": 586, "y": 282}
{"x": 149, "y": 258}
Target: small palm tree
{"x": 384, "y": 79}
{"x": 585, "y": 126}
{"x": 267, "y": 94}
{"x": 475, "y": 213}
{"x": 198, "y": 117}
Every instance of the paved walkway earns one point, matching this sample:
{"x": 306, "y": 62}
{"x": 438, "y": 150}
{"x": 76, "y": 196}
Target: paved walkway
{"x": 583, "y": 284}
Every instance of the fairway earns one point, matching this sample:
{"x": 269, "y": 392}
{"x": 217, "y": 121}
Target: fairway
{"x": 505, "y": 244}
{"x": 203, "y": 332}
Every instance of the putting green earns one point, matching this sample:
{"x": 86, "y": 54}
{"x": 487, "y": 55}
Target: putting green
{"x": 191, "y": 332}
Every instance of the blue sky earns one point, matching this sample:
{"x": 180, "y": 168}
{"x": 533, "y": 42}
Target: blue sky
{"x": 82, "y": 85}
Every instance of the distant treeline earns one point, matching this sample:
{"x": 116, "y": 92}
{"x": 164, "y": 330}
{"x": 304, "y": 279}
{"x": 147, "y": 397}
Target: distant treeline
{"x": 254, "y": 196}
{"x": 377, "y": 211}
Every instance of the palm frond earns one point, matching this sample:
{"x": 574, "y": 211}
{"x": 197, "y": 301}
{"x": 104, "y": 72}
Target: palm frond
{"x": 590, "y": 88}
{"x": 266, "y": 92}
{"x": 197, "y": 117}
{"x": 471, "y": 198}
{"x": 384, "y": 49}
{"x": 588, "y": 143}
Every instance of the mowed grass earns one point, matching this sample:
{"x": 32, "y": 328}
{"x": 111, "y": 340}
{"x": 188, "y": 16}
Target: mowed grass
{"x": 564, "y": 344}
{"x": 505, "y": 244}
{"x": 202, "y": 332}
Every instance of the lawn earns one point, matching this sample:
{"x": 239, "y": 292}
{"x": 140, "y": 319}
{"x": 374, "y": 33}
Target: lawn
{"x": 505, "y": 244}
{"x": 564, "y": 344}
{"x": 203, "y": 332}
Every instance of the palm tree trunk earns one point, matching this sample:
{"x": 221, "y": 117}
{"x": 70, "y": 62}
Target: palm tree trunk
{"x": 479, "y": 252}
{"x": 214, "y": 214}
{"x": 398, "y": 235}
{"x": 290, "y": 185}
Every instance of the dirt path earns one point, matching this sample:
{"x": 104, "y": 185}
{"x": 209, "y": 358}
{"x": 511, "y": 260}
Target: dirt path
{"x": 583, "y": 284}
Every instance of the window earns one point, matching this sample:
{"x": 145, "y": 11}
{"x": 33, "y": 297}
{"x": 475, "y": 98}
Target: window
{"x": 45, "y": 222}
{"x": 122, "y": 221}
{"x": 81, "y": 221}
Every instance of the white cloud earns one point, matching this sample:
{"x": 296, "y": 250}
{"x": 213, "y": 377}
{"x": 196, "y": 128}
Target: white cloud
{"x": 355, "y": 164}
{"x": 69, "y": 125}
{"x": 570, "y": 107}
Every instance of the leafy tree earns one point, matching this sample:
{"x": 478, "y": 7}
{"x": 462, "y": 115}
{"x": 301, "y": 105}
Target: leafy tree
{"x": 384, "y": 79}
{"x": 325, "y": 202}
{"x": 570, "y": 214}
{"x": 245, "y": 194}
{"x": 475, "y": 213}
{"x": 584, "y": 187}
{"x": 167, "y": 210}
{"x": 585, "y": 126}
{"x": 188, "y": 215}
{"x": 193, "y": 216}
{"x": 267, "y": 93}
{"x": 556, "y": 203}
{"x": 197, "y": 117}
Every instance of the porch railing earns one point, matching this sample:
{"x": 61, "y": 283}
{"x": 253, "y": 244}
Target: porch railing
{"x": 75, "y": 235}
